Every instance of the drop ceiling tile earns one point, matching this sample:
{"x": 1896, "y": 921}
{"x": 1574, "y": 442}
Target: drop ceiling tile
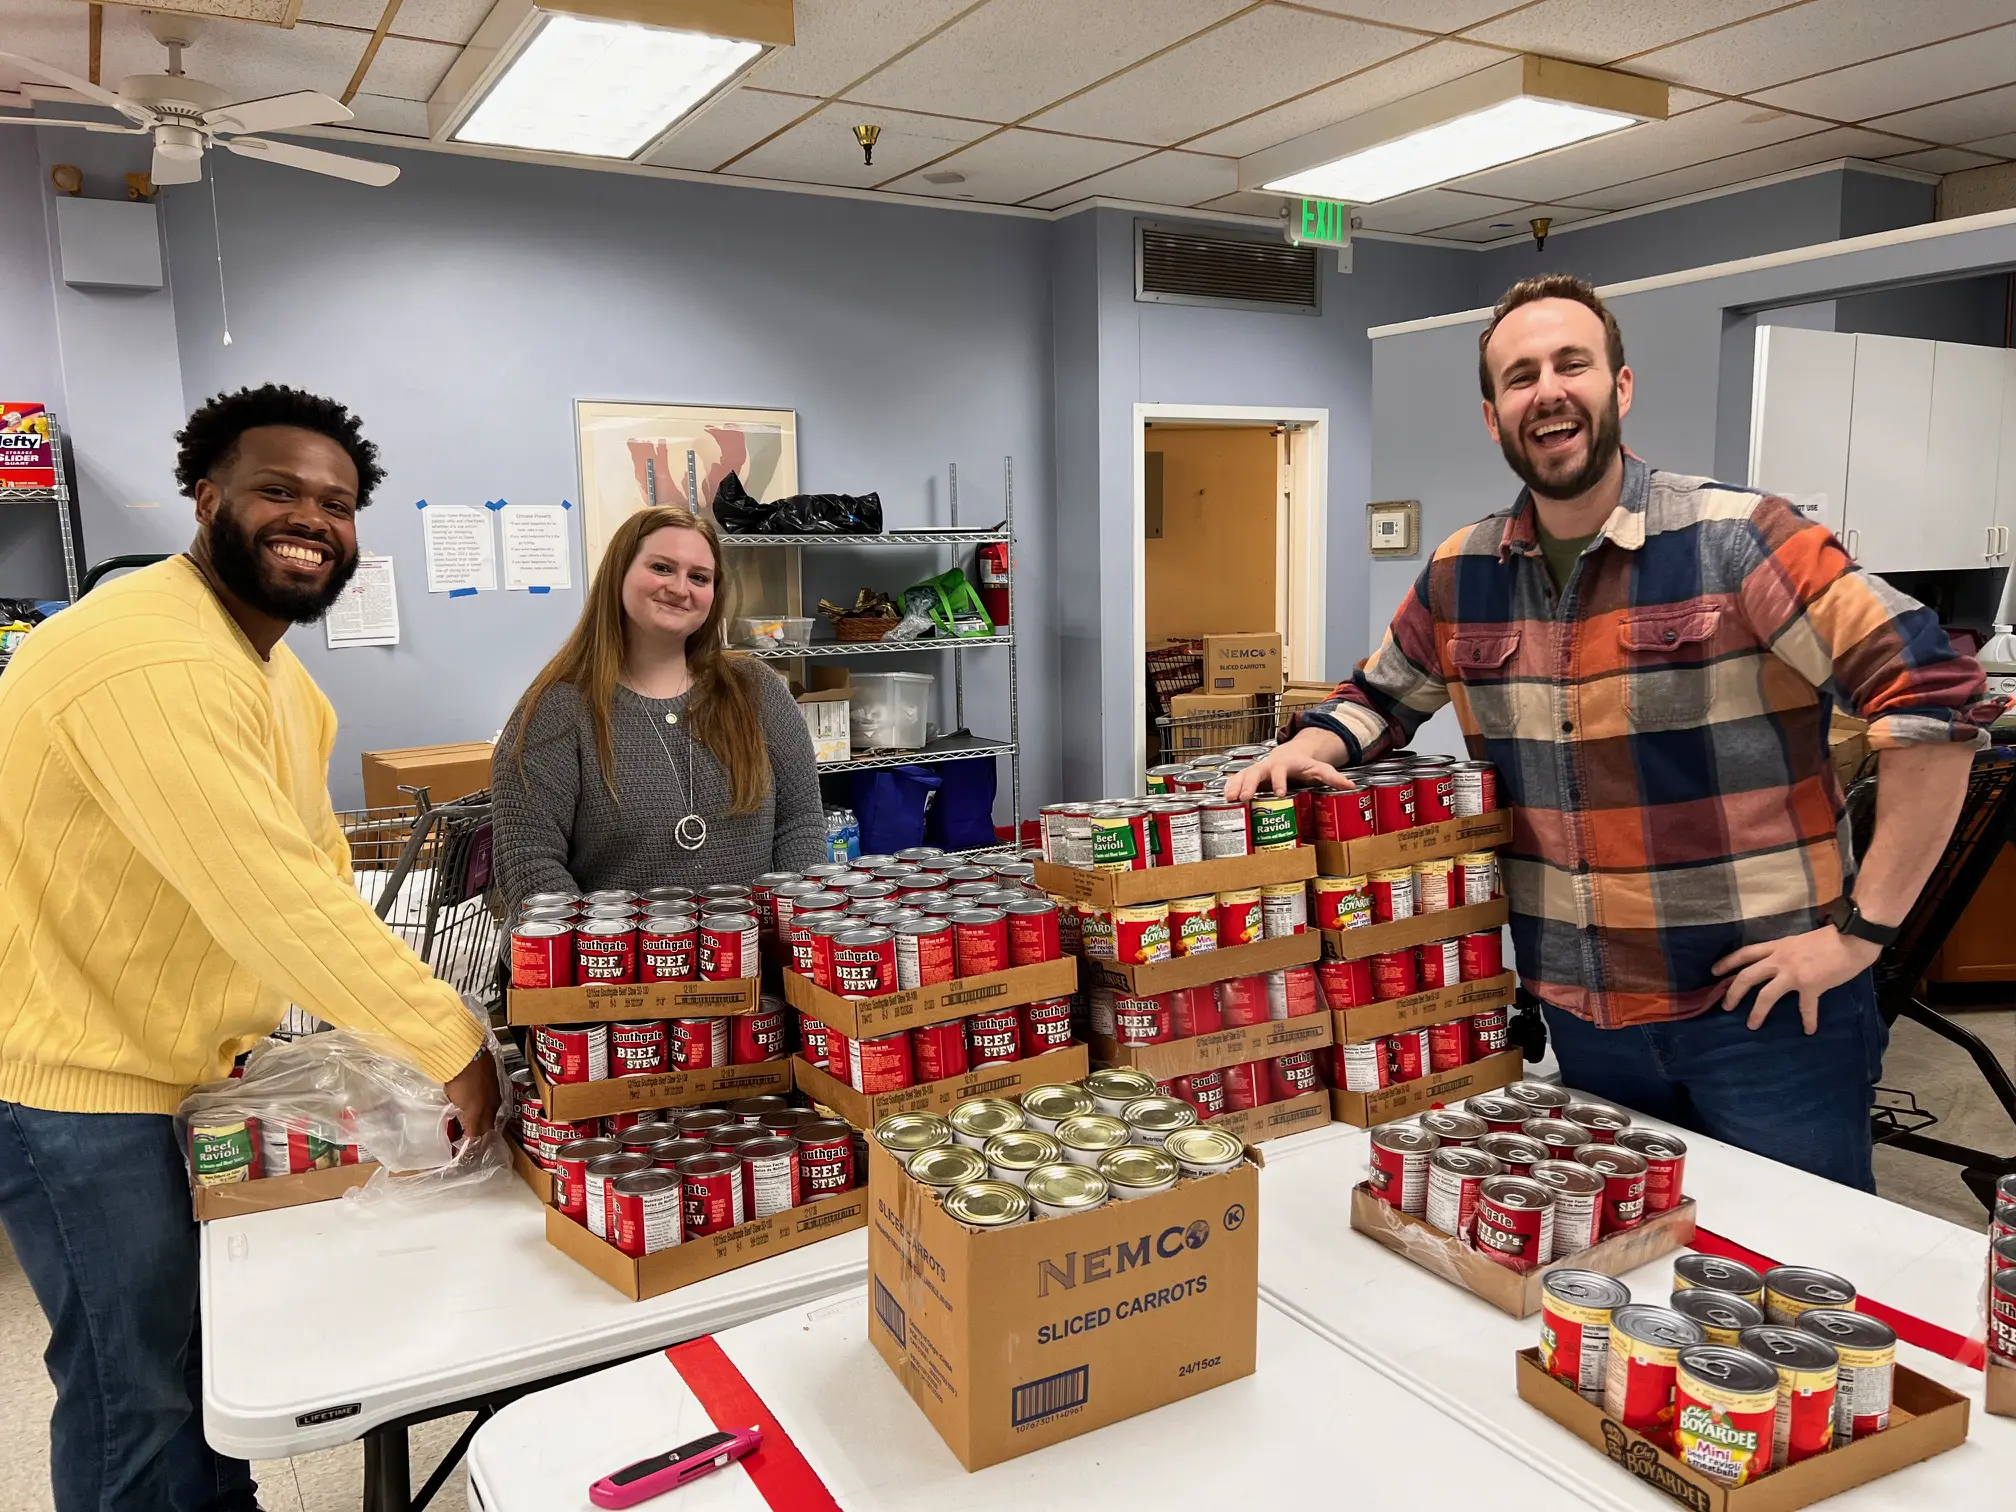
{"x": 409, "y": 70}
{"x": 1602, "y": 31}
{"x": 734, "y": 123}
{"x": 1679, "y": 101}
{"x": 1010, "y": 167}
{"x": 436, "y": 20}
{"x": 1167, "y": 178}
{"x": 246, "y": 62}
{"x": 1942, "y": 160}
{"x": 1806, "y": 39}
{"x": 1396, "y": 78}
{"x": 1714, "y": 131}
{"x": 1989, "y": 113}
{"x": 821, "y": 149}
{"x": 383, "y": 113}
{"x": 1417, "y": 213}
{"x": 1885, "y": 86}
{"x": 1013, "y": 57}
{"x": 2001, "y": 146}
{"x": 56, "y": 31}
{"x": 1249, "y": 202}
{"x": 840, "y": 40}
{"x": 1841, "y": 142}
{"x": 1497, "y": 227}
{"x": 1420, "y": 15}
{"x": 1256, "y": 61}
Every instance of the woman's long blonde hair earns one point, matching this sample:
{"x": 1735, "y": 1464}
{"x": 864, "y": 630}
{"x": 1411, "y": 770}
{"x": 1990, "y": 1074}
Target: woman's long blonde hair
{"x": 724, "y": 708}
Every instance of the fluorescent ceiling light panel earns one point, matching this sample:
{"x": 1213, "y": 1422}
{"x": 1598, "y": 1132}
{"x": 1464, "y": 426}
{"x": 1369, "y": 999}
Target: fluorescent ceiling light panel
{"x": 1501, "y": 114}
{"x": 601, "y": 88}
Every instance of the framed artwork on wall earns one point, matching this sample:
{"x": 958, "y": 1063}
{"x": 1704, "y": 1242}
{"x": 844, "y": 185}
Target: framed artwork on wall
{"x": 635, "y": 455}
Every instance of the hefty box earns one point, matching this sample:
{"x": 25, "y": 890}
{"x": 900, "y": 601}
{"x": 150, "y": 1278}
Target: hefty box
{"x": 1242, "y": 664}
{"x": 1015, "y": 1338}
{"x": 27, "y": 454}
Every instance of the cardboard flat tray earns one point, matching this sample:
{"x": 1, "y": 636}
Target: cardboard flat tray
{"x": 234, "y": 1199}
{"x": 1377, "y": 939}
{"x": 530, "y": 1171}
{"x": 864, "y": 1018}
{"x": 1365, "y": 1109}
{"x": 1209, "y": 966}
{"x": 2001, "y": 1388}
{"x": 1925, "y": 1419}
{"x": 1008, "y": 1079}
{"x": 1438, "y": 1005}
{"x": 1425, "y": 842}
{"x": 697, "y": 1259}
{"x": 1104, "y": 889}
{"x": 1277, "y": 1120}
{"x": 667, "y": 1089}
{"x": 632, "y": 1000}
{"x": 1225, "y": 1047}
{"x": 1510, "y": 1291}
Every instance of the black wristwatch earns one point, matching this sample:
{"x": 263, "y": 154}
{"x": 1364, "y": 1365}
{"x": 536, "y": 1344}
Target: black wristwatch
{"x": 1848, "y": 919}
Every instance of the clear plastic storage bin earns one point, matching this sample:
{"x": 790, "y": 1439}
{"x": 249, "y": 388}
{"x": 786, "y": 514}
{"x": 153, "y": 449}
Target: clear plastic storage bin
{"x": 761, "y": 632}
{"x": 890, "y": 710}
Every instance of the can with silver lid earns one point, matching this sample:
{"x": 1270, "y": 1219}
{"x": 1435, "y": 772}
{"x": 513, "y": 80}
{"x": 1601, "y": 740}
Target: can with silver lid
{"x": 1453, "y": 1126}
{"x": 904, "y": 1134}
{"x": 946, "y": 1168}
{"x": 1722, "y": 1315}
{"x": 1062, "y": 1190}
{"x": 1692, "y": 1268}
{"x": 1575, "y": 1311}
{"x": 1867, "y": 1348}
{"x": 1645, "y": 1345}
{"x": 1116, "y": 1086}
{"x": 988, "y": 1205}
{"x": 1090, "y": 1135}
{"x": 1151, "y": 1120}
{"x": 1398, "y": 1170}
{"x": 1790, "y": 1290}
{"x": 1515, "y": 1152}
{"x": 1201, "y": 1150}
{"x": 1544, "y": 1098}
{"x": 1455, "y": 1175}
{"x": 1011, "y": 1157}
{"x": 1137, "y": 1171}
{"x": 1515, "y": 1221}
{"x": 1501, "y": 1114}
{"x": 1809, "y": 1372}
{"x": 1045, "y": 1107}
{"x": 979, "y": 1119}
{"x": 1724, "y": 1403}
{"x": 1578, "y": 1204}
{"x": 1603, "y": 1122}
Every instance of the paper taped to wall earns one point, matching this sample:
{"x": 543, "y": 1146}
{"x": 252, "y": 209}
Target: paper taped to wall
{"x": 366, "y": 613}
{"x": 537, "y": 550}
{"x": 461, "y": 549}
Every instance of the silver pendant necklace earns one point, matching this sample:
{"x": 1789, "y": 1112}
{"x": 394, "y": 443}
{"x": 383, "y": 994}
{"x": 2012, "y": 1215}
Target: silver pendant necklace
{"x": 690, "y": 831}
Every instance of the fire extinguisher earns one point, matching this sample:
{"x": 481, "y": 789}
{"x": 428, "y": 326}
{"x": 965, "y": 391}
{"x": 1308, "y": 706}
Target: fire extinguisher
{"x": 994, "y": 581}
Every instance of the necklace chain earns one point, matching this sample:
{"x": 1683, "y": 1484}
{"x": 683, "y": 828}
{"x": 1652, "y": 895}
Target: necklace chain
{"x": 691, "y": 830}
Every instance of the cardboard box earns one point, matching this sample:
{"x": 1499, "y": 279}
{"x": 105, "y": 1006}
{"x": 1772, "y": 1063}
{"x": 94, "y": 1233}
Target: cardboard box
{"x": 1510, "y": 1291}
{"x": 1224, "y": 1047}
{"x": 1243, "y": 664}
{"x": 913, "y": 1008}
{"x": 529, "y": 1171}
{"x": 1104, "y": 889}
{"x": 668, "y": 1089}
{"x": 1211, "y": 966}
{"x": 1847, "y": 746}
{"x": 824, "y": 704}
{"x": 1215, "y": 722}
{"x": 447, "y": 772}
{"x": 234, "y": 1199}
{"x": 610, "y": 1003}
{"x": 1021, "y": 1337}
{"x": 1367, "y": 1109}
{"x": 1004, "y": 1080}
{"x": 1438, "y": 1005}
{"x": 2001, "y": 1388}
{"x": 1376, "y": 939}
{"x": 1425, "y": 842}
{"x": 639, "y": 1277}
{"x": 1277, "y": 1120}
{"x": 1925, "y": 1419}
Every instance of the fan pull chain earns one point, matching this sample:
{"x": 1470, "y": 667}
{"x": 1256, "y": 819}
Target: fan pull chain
{"x": 217, "y": 234}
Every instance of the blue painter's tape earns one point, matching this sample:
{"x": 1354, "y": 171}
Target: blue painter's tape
{"x": 422, "y": 504}
{"x": 496, "y": 503}
{"x": 539, "y": 588}
{"x": 566, "y": 503}
{"x": 461, "y": 593}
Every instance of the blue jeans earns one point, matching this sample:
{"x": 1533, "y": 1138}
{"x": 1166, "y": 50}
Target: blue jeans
{"x": 1803, "y": 1100}
{"x": 96, "y": 1206}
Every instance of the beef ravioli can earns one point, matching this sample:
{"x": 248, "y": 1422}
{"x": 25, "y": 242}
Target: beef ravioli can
{"x": 1575, "y": 1311}
{"x": 1808, "y": 1373}
{"x": 1693, "y": 1268}
{"x": 1793, "y": 1290}
{"x": 1725, "y": 1402}
{"x": 1868, "y": 1351}
{"x": 1723, "y": 1317}
{"x": 1638, "y": 1380}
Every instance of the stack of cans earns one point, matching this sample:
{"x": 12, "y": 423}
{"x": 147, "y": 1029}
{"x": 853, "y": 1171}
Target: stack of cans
{"x": 2002, "y": 1275}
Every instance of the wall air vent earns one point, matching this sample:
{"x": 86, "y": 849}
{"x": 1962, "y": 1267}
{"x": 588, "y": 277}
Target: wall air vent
{"x": 1226, "y": 267}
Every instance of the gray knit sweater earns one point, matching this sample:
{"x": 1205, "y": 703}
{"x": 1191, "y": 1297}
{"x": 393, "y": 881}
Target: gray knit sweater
{"x": 558, "y": 830}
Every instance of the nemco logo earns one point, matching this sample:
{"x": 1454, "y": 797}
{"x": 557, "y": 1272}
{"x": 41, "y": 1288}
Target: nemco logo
{"x": 1118, "y": 1259}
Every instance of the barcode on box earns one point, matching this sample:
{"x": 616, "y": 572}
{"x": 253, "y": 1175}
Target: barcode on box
{"x": 890, "y": 1311}
{"x": 1051, "y": 1395}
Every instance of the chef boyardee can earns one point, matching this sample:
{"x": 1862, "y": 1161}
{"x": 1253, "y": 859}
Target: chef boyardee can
{"x": 1274, "y": 825}
{"x": 1790, "y": 1290}
{"x": 1808, "y": 1373}
{"x": 1578, "y": 1202}
{"x": 1724, "y": 1403}
{"x": 1722, "y": 1317}
{"x": 1515, "y": 1221}
{"x": 1692, "y": 1268}
{"x": 1868, "y": 1351}
{"x": 1575, "y": 1310}
{"x": 1645, "y": 1345}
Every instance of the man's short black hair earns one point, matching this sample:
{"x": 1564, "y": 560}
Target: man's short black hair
{"x": 1550, "y": 286}
{"x": 210, "y": 438}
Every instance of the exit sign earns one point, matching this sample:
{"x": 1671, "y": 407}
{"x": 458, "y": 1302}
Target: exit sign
{"x": 1319, "y": 223}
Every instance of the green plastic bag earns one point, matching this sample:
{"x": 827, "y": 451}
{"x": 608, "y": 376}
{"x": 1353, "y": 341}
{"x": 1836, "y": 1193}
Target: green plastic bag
{"x": 951, "y": 604}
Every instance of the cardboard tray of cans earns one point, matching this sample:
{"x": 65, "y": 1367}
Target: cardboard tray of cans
{"x": 568, "y": 1101}
{"x": 1425, "y": 842}
{"x": 1512, "y": 1291}
{"x": 1208, "y": 965}
{"x": 530, "y": 1171}
{"x": 611, "y": 1002}
{"x": 1404, "y": 1099}
{"x": 1420, "y": 1010}
{"x": 1104, "y": 889}
{"x": 1276, "y": 1120}
{"x": 697, "y": 1258}
{"x": 1925, "y": 1419}
{"x": 1221, "y": 1047}
{"x": 975, "y": 1324}
{"x": 1001, "y": 1079}
{"x": 1377, "y": 939}
{"x": 940, "y": 1003}
{"x": 234, "y": 1199}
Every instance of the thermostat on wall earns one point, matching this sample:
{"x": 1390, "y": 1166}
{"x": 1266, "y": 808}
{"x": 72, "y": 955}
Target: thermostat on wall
{"x": 1393, "y": 527}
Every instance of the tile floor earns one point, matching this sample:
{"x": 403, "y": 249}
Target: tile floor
{"x": 1944, "y": 1080}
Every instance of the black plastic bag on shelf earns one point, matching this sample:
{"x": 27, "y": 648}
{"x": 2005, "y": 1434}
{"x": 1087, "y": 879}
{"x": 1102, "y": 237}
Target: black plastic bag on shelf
{"x": 737, "y": 513}
{"x": 800, "y": 514}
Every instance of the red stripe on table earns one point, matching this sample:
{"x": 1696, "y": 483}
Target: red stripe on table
{"x": 1910, "y": 1328}
{"x": 777, "y": 1470}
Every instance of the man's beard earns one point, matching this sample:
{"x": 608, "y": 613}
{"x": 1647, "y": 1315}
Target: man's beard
{"x": 1606, "y": 439}
{"x": 241, "y": 563}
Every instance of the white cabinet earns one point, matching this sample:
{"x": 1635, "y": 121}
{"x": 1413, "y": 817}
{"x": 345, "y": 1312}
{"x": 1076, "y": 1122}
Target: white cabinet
{"x": 1887, "y": 438}
{"x": 2005, "y": 472}
{"x": 1801, "y": 400}
{"x": 1963, "y": 453}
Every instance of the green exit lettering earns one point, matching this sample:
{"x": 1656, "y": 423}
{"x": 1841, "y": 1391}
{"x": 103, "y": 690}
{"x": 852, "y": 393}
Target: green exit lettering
{"x": 1323, "y": 221}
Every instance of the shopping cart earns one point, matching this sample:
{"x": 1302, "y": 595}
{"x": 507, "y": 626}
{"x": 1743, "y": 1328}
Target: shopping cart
{"x": 1179, "y": 739}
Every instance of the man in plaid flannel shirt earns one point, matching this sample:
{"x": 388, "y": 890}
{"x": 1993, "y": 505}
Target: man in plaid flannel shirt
{"x": 1650, "y": 660}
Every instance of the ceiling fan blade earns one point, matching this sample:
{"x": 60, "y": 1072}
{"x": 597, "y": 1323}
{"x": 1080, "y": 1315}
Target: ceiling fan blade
{"x": 36, "y": 68}
{"x": 277, "y": 113}
{"x": 21, "y": 120}
{"x": 175, "y": 170}
{"x": 357, "y": 170}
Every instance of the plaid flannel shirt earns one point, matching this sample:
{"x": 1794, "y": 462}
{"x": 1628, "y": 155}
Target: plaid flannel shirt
{"x": 1660, "y": 728}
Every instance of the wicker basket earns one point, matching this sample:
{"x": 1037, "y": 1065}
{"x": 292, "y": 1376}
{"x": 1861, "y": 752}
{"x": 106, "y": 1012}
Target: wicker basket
{"x": 864, "y": 627}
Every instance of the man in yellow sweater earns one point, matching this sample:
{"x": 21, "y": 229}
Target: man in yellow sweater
{"x": 171, "y": 876}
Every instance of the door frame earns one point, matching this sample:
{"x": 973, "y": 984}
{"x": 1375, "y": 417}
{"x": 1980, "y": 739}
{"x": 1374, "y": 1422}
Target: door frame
{"x": 1306, "y": 541}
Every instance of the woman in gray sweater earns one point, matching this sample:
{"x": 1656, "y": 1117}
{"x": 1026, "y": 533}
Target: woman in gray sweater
{"x": 646, "y": 754}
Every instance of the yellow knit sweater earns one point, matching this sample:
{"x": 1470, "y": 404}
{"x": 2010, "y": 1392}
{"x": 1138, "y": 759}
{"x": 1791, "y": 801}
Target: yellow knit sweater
{"x": 171, "y": 873}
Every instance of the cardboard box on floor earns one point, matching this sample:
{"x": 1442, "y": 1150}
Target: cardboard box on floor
{"x": 1243, "y": 664}
{"x": 1104, "y": 889}
{"x": 1925, "y": 1419}
{"x": 447, "y": 772}
{"x": 1425, "y": 842}
{"x": 1369, "y": 1109}
{"x": 234, "y": 1199}
{"x": 1020, "y": 1337}
{"x": 1511, "y": 1291}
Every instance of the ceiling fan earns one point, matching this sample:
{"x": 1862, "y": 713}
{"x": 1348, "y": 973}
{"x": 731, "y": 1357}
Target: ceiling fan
{"x": 186, "y": 116}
